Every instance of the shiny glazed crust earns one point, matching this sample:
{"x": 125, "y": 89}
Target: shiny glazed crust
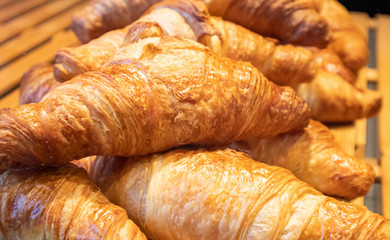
{"x": 223, "y": 194}
{"x": 311, "y": 154}
{"x": 154, "y": 95}
{"x": 282, "y": 64}
{"x": 290, "y": 21}
{"x": 314, "y": 156}
{"x": 59, "y": 203}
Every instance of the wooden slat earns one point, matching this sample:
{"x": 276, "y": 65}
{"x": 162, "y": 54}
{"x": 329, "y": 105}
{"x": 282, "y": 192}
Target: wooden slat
{"x": 383, "y": 46}
{"x": 374, "y": 163}
{"x": 345, "y": 135}
{"x": 361, "y": 128}
{"x": 30, "y": 19}
{"x": 362, "y": 20}
{"x": 361, "y": 124}
{"x": 372, "y": 74}
{"x": 16, "y": 9}
{"x": 11, "y": 100}
{"x": 11, "y": 75}
{"x": 33, "y": 36}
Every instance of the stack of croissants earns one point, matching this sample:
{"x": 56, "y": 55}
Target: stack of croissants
{"x": 190, "y": 119}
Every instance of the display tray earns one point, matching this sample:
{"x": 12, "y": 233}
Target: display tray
{"x": 31, "y": 31}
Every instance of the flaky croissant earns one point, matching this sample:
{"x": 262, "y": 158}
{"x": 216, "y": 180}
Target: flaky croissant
{"x": 282, "y": 64}
{"x": 314, "y": 156}
{"x": 332, "y": 99}
{"x": 311, "y": 154}
{"x": 63, "y": 203}
{"x": 223, "y": 194}
{"x": 347, "y": 39}
{"x": 290, "y": 21}
{"x": 327, "y": 60}
{"x": 36, "y": 82}
{"x": 155, "y": 94}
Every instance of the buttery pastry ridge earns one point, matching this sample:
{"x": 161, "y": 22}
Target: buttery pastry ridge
{"x": 314, "y": 156}
{"x": 155, "y": 94}
{"x": 59, "y": 203}
{"x": 223, "y": 194}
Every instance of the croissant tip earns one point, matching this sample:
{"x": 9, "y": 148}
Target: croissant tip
{"x": 80, "y": 30}
{"x": 374, "y": 100}
{"x": 356, "y": 184}
{"x": 60, "y": 74}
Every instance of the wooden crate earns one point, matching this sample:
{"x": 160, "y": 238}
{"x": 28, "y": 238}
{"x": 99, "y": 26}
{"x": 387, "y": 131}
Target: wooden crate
{"x": 31, "y": 31}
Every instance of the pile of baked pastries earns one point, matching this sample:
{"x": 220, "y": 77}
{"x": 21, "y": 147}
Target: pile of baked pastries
{"x": 183, "y": 119}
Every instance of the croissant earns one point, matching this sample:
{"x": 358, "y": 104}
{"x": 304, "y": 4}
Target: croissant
{"x": 314, "y": 156}
{"x": 155, "y": 94}
{"x": 332, "y": 99}
{"x": 327, "y": 60}
{"x": 223, "y": 194}
{"x": 59, "y": 203}
{"x": 36, "y": 82}
{"x": 347, "y": 39}
{"x": 290, "y": 21}
{"x": 321, "y": 161}
{"x": 282, "y": 64}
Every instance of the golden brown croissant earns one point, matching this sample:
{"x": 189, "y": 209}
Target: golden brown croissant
{"x": 36, "y": 82}
{"x": 61, "y": 203}
{"x": 282, "y": 64}
{"x": 223, "y": 194}
{"x": 101, "y": 16}
{"x": 311, "y": 154}
{"x": 332, "y": 99}
{"x": 291, "y": 21}
{"x": 154, "y": 95}
{"x": 314, "y": 156}
{"x": 347, "y": 39}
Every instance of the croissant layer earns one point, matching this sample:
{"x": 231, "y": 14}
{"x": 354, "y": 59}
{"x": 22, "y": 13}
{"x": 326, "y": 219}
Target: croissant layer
{"x": 282, "y": 64}
{"x": 291, "y": 21}
{"x": 59, "y": 203}
{"x": 314, "y": 156}
{"x": 223, "y": 194}
{"x": 155, "y": 94}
